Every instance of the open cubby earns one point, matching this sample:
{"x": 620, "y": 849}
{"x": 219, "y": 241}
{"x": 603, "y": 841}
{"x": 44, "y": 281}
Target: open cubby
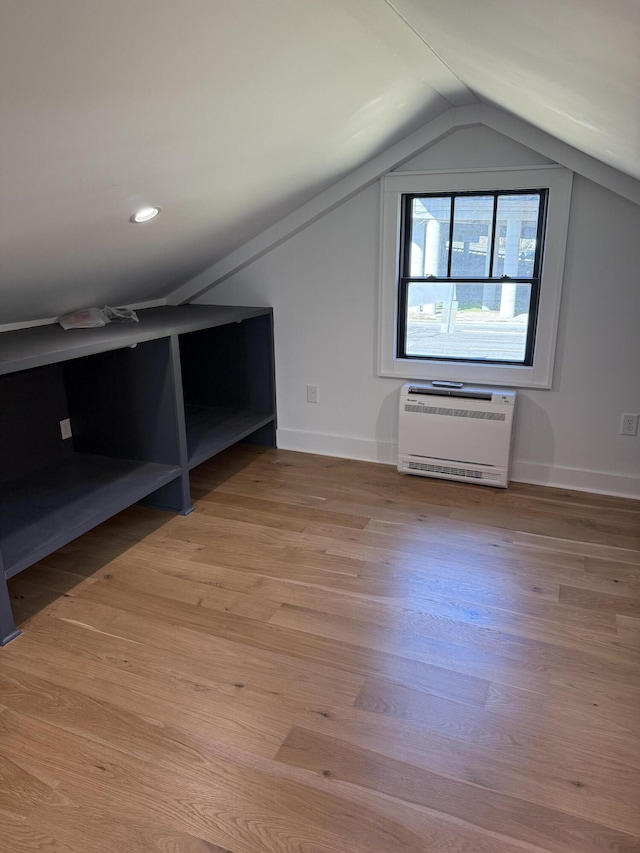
{"x": 123, "y": 446}
{"x": 145, "y": 402}
{"x": 48, "y": 508}
{"x": 228, "y": 385}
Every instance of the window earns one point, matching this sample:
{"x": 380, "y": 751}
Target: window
{"x": 471, "y": 275}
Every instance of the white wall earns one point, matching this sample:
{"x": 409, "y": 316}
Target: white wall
{"x": 323, "y": 282}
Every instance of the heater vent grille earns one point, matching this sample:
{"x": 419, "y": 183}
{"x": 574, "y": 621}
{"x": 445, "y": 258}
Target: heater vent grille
{"x": 451, "y": 471}
{"x": 454, "y": 413}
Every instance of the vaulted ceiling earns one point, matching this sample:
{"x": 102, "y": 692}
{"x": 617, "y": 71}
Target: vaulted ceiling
{"x": 228, "y": 115}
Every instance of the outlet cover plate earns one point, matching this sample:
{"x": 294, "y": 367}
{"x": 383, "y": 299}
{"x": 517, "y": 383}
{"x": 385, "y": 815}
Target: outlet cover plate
{"x": 629, "y": 424}
{"x": 65, "y": 428}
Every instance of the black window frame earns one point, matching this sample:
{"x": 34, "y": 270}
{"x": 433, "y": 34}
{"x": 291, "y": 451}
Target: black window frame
{"x": 404, "y": 280}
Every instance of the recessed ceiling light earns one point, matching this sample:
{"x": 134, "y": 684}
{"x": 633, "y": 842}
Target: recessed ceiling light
{"x": 145, "y": 214}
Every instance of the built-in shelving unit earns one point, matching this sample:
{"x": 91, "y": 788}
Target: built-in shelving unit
{"x": 145, "y": 404}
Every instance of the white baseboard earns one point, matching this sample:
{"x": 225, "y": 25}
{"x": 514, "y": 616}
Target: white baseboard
{"x": 599, "y": 482}
{"x": 367, "y": 450}
{"x": 342, "y": 446}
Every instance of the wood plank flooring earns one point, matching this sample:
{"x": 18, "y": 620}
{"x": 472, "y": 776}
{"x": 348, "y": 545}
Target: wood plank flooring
{"x": 329, "y": 657}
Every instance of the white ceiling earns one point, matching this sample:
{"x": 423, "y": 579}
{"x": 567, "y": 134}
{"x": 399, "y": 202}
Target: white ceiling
{"x": 569, "y": 67}
{"x": 230, "y": 114}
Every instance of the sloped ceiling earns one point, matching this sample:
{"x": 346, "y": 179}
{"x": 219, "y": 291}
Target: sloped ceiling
{"x": 569, "y": 67}
{"x": 228, "y": 115}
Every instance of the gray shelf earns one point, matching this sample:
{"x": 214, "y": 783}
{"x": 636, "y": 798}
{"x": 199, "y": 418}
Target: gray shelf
{"x": 26, "y": 348}
{"x": 43, "y": 511}
{"x": 211, "y": 430}
{"x": 146, "y": 403}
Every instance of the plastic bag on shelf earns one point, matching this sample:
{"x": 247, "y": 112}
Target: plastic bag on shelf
{"x": 86, "y": 318}
{"x": 120, "y": 315}
{"x": 94, "y": 318}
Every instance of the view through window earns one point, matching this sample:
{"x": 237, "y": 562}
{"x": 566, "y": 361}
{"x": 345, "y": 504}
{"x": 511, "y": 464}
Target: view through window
{"x": 470, "y": 275}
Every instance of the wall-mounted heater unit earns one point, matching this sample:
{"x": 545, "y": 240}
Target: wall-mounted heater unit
{"x": 456, "y": 432}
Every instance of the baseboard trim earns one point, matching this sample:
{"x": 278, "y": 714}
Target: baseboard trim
{"x": 598, "y": 482}
{"x": 386, "y": 452}
{"x": 341, "y": 446}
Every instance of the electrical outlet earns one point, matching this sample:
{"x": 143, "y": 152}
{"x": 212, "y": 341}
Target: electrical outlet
{"x": 629, "y": 424}
{"x": 65, "y": 428}
{"x": 313, "y": 394}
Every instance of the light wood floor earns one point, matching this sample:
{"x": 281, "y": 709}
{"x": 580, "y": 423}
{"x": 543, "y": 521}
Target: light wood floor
{"x": 328, "y": 657}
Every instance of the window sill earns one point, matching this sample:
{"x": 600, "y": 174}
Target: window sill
{"x": 500, "y": 375}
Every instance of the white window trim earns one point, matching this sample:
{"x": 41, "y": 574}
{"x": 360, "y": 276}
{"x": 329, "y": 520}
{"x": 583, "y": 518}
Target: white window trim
{"x": 540, "y": 373}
